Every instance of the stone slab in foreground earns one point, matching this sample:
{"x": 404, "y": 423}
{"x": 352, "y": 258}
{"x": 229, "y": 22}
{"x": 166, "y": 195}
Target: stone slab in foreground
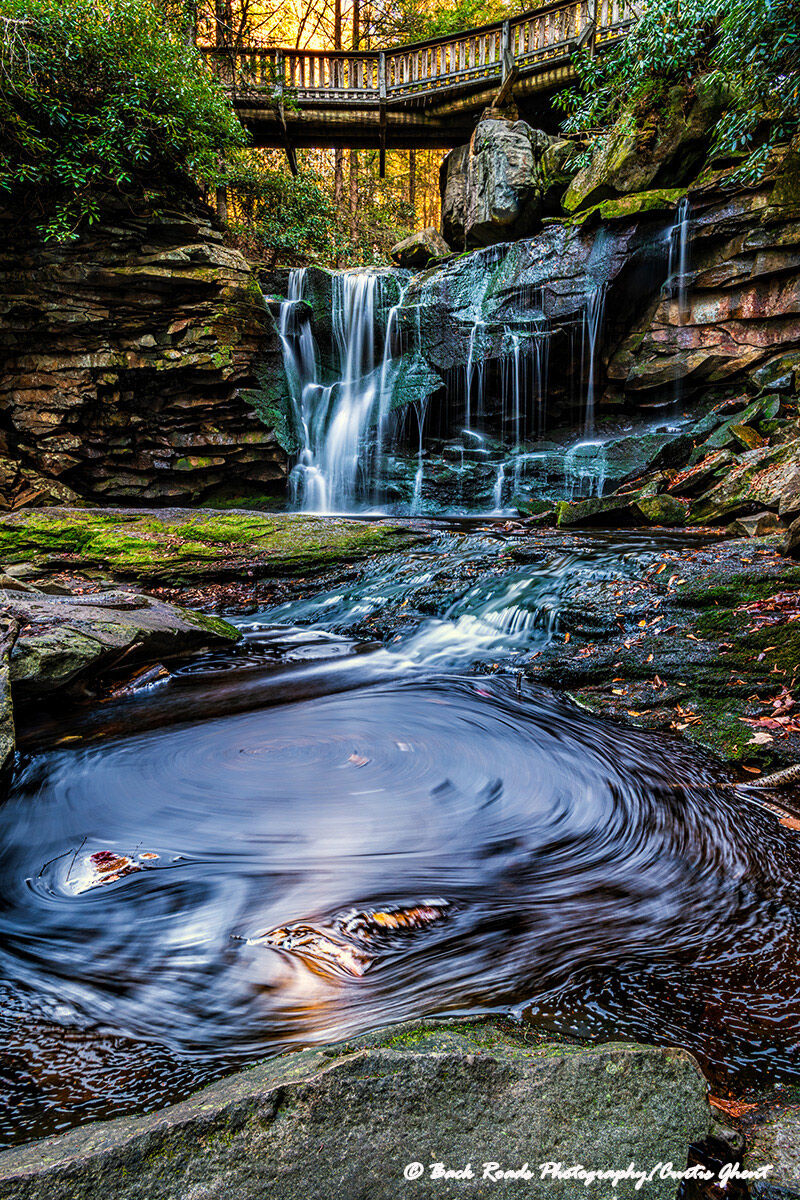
{"x": 342, "y": 1123}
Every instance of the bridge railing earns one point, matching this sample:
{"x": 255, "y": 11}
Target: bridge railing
{"x": 526, "y": 43}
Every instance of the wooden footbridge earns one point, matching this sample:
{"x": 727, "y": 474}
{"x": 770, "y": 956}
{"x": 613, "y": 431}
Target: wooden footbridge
{"x": 428, "y": 94}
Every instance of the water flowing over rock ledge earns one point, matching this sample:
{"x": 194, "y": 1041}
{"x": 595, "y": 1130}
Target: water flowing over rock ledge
{"x": 459, "y": 386}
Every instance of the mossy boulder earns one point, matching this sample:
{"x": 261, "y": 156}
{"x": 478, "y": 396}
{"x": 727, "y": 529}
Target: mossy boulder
{"x": 352, "y": 1121}
{"x": 756, "y": 481}
{"x": 178, "y": 545}
{"x": 606, "y": 512}
{"x": 663, "y": 510}
{"x": 657, "y": 202}
{"x": 662, "y": 150}
{"x": 774, "y": 1143}
{"x": 420, "y": 249}
{"x": 67, "y": 639}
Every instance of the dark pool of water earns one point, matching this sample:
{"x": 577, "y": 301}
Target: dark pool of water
{"x": 592, "y": 878}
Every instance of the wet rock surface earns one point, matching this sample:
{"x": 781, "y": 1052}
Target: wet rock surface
{"x": 455, "y": 1092}
{"x": 8, "y": 635}
{"x": 64, "y": 640}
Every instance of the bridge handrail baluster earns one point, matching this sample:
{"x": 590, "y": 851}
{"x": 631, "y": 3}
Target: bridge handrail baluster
{"x": 539, "y": 38}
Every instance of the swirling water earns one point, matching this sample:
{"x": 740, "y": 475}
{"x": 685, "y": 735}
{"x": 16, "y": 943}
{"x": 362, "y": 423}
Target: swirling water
{"x": 591, "y": 878}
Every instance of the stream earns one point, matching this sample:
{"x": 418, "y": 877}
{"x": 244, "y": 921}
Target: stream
{"x": 358, "y": 816}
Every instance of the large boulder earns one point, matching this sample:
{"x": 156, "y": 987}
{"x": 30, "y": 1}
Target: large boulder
{"x": 453, "y": 190}
{"x": 755, "y": 482}
{"x": 633, "y": 158}
{"x": 65, "y": 640}
{"x": 773, "y": 1146}
{"x": 420, "y": 249}
{"x": 499, "y": 186}
{"x": 369, "y": 1119}
{"x": 503, "y": 195}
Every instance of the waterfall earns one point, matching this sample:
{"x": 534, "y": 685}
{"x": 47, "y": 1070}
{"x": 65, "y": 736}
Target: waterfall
{"x": 337, "y": 425}
{"x": 497, "y": 493}
{"x": 416, "y": 502}
{"x": 307, "y": 486}
{"x": 592, "y": 323}
{"x": 678, "y": 265}
{"x": 585, "y": 469}
{"x": 471, "y": 368}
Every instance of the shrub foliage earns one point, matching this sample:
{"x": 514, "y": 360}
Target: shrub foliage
{"x": 99, "y": 96}
{"x": 751, "y": 46}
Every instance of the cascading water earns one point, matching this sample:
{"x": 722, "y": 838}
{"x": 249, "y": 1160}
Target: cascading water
{"x": 355, "y": 451}
{"x": 416, "y": 502}
{"x": 499, "y": 484}
{"x": 585, "y": 468}
{"x": 338, "y": 425}
{"x": 678, "y": 265}
{"x": 592, "y": 324}
{"x": 473, "y": 370}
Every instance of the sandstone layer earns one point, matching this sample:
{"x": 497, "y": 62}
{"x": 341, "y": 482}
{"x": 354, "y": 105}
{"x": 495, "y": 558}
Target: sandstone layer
{"x": 130, "y": 362}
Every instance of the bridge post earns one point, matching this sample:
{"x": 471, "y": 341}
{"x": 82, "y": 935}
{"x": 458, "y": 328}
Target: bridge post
{"x": 506, "y": 52}
{"x": 280, "y": 76}
{"x": 382, "y": 105}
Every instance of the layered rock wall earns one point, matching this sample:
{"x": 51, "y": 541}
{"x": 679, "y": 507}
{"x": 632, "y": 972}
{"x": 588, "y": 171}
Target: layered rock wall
{"x": 130, "y": 363}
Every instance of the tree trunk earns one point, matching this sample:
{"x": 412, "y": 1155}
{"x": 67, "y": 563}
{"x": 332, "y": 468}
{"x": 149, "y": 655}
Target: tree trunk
{"x": 223, "y": 17}
{"x": 412, "y": 179}
{"x": 190, "y": 21}
{"x": 354, "y": 153}
{"x": 338, "y": 177}
{"x": 338, "y": 154}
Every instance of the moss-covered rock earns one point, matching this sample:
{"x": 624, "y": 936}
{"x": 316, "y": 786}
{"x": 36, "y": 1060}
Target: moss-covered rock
{"x": 467, "y": 1094}
{"x": 657, "y": 202}
{"x": 607, "y": 512}
{"x": 700, "y": 641}
{"x": 175, "y": 545}
{"x": 755, "y": 481}
{"x": 68, "y": 639}
{"x": 662, "y": 149}
{"x": 663, "y": 510}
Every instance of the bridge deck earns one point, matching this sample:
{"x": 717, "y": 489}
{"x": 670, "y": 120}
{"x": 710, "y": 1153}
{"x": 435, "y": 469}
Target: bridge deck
{"x": 425, "y": 94}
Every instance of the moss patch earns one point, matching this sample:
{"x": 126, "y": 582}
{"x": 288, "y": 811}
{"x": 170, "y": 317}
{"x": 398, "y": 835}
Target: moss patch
{"x": 180, "y": 544}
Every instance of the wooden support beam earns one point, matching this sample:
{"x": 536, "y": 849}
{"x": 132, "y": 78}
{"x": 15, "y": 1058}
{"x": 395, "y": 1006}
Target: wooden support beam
{"x": 280, "y": 75}
{"x": 506, "y": 52}
{"x": 504, "y": 94}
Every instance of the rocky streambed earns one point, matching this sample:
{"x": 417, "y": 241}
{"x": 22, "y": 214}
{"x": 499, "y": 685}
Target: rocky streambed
{"x": 282, "y": 779}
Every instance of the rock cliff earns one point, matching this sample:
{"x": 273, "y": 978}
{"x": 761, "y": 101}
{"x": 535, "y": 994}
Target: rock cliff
{"x": 608, "y": 282}
{"x": 130, "y": 362}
